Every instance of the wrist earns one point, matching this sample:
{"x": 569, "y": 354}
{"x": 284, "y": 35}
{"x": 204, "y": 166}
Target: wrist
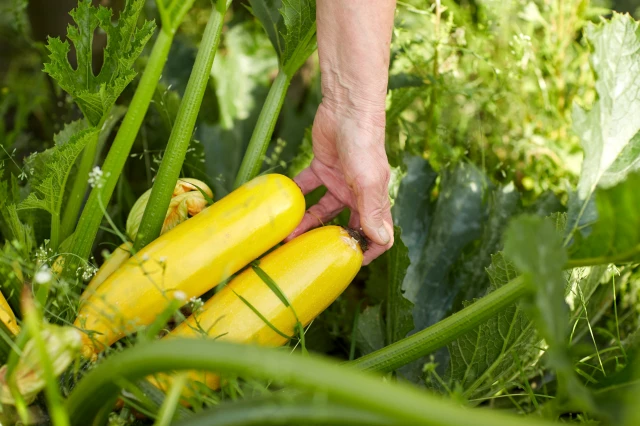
{"x": 344, "y": 92}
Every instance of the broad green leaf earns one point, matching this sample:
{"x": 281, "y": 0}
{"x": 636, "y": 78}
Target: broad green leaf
{"x": 398, "y": 316}
{"x": 457, "y": 221}
{"x": 609, "y": 131}
{"x": 614, "y": 236}
{"x": 95, "y": 95}
{"x": 13, "y": 229}
{"x": 49, "y": 191}
{"x": 300, "y": 35}
{"x": 268, "y": 13}
{"x": 369, "y": 334}
{"x": 484, "y": 359}
{"x": 292, "y": 31}
{"x": 450, "y": 241}
{"x": 534, "y": 245}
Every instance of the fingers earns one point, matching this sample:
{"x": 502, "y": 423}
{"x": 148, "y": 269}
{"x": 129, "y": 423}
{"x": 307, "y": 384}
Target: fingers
{"x": 307, "y": 180}
{"x": 372, "y": 198}
{"x": 327, "y": 208}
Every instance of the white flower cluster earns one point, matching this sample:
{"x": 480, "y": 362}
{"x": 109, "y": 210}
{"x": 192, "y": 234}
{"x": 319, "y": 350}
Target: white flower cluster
{"x": 97, "y": 178}
{"x": 196, "y": 303}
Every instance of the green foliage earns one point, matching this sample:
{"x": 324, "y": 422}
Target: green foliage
{"x": 96, "y": 94}
{"x": 291, "y": 27}
{"x": 614, "y": 236}
{"x": 51, "y": 184}
{"x": 491, "y": 356}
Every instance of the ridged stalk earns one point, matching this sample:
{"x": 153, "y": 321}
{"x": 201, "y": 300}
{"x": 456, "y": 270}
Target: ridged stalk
{"x": 174, "y": 155}
{"x": 261, "y": 136}
{"x": 442, "y": 333}
{"x": 403, "y": 403}
{"x": 91, "y": 216}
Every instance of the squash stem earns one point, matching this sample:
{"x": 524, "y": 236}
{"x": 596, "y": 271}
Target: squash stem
{"x": 169, "y": 171}
{"x": 79, "y": 188}
{"x": 400, "y": 402}
{"x": 261, "y": 136}
{"x": 91, "y": 216}
{"x": 442, "y": 333}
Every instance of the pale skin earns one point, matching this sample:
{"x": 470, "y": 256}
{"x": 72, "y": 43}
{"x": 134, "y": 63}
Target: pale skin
{"x": 348, "y": 131}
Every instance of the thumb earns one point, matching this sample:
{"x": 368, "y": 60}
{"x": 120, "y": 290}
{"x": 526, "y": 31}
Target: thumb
{"x": 374, "y": 209}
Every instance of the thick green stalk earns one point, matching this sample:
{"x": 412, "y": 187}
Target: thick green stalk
{"x": 401, "y": 402}
{"x": 442, "y": 333}
{"x": 55, "y": 231}
{"x": 91, "y": 217}
{"x": 79, "y": 188}
{"x": 259, "y": 413}
{"x": 33, "y": 321}
{"x": 253, "y": 157}
{"x": 169, "y": 170}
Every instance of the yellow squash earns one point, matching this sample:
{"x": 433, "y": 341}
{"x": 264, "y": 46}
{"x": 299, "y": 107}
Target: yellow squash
{"x": 312, "y": 271}
{"x": 191, "y": 259}
{"x": 186, "y": 201}
{"x": 7, "y": 317}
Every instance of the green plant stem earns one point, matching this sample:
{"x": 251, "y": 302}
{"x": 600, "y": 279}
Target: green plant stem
{"x": 54, "y": 399}
{"x": 91, "y": 216}
{"x": 54, "y": 237}
{"x": 168, "y": 408}
{"x": 247, "y": 413}
{"x": 79, "y": 188}
{"x": 403, "y": 403}
{"x": 442, "y": 333}
{"x": 169, "y": 171}
{"x": 253, "y": 157}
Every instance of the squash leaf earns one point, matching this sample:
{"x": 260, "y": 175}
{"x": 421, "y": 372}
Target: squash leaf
{"x": 291, "y": 27}
{"x": 96, "y": 94}
{"x": 610, "y": 130}
{"x": 486, "y": 358}
{"x": 534, "y": 245}
{"x": 614, "y": 236}
{"x": 50, "y": 185}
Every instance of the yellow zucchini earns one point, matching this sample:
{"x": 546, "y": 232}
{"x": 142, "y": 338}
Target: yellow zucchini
{"x": 191, "y": 259}
{"x": 312, "y": 270}
{"x": 7, "y": 317}
{"x": 186, "y": 202}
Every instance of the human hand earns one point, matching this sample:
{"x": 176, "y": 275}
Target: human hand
{"x": 351, "y": 162}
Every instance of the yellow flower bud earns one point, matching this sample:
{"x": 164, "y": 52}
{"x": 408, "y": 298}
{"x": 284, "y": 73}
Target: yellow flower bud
{"x": 63, "y": 346}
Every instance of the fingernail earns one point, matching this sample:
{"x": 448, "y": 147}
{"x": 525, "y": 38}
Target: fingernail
{"x": 384, "y": 235}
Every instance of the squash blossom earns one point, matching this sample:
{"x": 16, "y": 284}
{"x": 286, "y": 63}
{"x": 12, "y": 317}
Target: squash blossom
{"x": 186, "y": 201}
{"x": 63, "y": 346}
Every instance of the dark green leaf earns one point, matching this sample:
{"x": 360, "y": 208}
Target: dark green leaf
{"x": 95, "y": 95}
{"x": 292, "y": 30}
{"x": 268, "y": 13}
{"x": 399, "y": 319}
{"x": 614, "y": 236}
{"x": 489, "y": 356}
{"x": 534, "y": 245}
{"x": 369, "y": 333}
{"x": 61, "y": 159}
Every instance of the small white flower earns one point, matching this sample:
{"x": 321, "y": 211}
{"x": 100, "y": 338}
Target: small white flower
{"x": 196, "y": 303}
{"x": 43, "y": 276}
{"x": 162, "y": 259}
{"x": 145, "y": 257}
{"x": 96, "y": 178}
{"x": 180, "y": 295}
